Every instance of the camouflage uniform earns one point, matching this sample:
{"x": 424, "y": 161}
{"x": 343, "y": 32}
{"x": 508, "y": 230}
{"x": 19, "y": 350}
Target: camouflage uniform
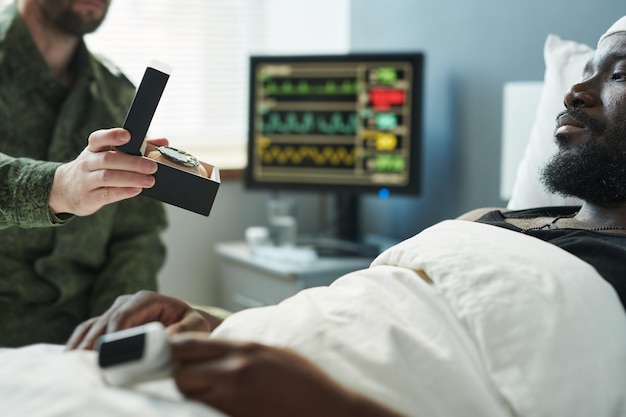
{"x": 53, "y": 273}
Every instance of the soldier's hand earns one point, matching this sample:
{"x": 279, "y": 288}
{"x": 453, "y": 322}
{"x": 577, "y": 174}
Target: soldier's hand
{"x": 101, "y": 175}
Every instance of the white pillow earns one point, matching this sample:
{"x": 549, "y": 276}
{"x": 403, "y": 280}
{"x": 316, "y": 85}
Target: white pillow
{"x": 565, "y": 61}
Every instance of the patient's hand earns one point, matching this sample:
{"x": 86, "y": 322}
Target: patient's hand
{"x": 140, "y": 308}
{"x": 245, "y": 379}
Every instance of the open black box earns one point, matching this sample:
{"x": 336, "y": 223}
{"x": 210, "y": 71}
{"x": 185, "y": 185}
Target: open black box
{"x": 174, "y": 185}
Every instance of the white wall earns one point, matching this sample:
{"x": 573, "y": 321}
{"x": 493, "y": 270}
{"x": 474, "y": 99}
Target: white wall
{"x": 313, "y": 26}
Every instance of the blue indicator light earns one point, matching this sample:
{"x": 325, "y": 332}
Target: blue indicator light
{"x": 383, "y": 193}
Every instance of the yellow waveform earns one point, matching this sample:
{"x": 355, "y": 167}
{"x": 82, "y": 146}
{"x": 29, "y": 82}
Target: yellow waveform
{"x": 297, "y": 155}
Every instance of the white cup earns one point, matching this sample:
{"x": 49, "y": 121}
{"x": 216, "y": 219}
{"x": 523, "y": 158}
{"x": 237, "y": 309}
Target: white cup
{"x": 257, "y": 236}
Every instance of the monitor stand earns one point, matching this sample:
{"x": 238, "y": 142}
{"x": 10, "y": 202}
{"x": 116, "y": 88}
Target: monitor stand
{"x": 347, "y": 242}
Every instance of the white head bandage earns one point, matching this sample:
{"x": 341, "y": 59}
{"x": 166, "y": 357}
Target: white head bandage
{"x": 619, "y": 26}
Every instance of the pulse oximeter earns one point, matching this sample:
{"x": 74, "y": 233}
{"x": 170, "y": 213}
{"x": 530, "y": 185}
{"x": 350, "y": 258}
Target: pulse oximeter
{"x": 134, "y": 355}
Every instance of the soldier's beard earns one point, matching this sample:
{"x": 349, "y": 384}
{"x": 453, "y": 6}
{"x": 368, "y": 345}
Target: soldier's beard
{"x": 69, "y": 21}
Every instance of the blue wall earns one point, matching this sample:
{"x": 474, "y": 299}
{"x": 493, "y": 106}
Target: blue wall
{"x": 472, "y": 48}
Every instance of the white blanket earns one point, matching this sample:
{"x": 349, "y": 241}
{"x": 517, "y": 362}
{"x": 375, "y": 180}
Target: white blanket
{"x": 511, "y": 325}
{"x": 44, "y": 380}
{"x": 464, "y": 320}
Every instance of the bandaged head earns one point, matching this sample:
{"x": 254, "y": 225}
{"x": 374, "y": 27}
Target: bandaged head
{"x": 619, "y": 26}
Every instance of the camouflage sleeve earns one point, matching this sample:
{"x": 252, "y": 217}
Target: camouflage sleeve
{"x": 136, "y": 252}
{"x": 25, "y": 186}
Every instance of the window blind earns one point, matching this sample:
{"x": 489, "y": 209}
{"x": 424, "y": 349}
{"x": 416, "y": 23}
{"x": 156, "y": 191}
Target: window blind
{"x": 208, "y": 43}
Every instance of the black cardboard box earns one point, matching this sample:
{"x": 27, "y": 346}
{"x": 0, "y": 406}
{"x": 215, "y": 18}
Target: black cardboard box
{"x": 175, "y": 183}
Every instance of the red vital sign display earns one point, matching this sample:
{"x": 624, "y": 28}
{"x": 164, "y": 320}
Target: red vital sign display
{"x": 384, "y": 98}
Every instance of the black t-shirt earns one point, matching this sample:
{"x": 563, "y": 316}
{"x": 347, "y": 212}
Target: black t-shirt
{"x": 603, "y": 250}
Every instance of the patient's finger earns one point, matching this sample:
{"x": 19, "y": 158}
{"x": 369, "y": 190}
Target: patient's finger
{"x": 212, "y": 395}
{"x": 79, "y": 333}
{"x": 194, "y": 321}
{"x": 144, "y": 307}
{"x": 194, "y": 378}
{"x": 96, "y": 327}
{"x": 196, "y": 346}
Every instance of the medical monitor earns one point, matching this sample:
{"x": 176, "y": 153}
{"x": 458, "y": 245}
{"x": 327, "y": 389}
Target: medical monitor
{"x": 347, "y": 124}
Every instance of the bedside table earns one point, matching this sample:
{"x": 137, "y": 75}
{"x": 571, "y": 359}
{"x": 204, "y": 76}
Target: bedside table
{"x": 247, "y": 281}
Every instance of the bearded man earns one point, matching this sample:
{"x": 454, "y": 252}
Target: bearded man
{"x": 590, "y": 165}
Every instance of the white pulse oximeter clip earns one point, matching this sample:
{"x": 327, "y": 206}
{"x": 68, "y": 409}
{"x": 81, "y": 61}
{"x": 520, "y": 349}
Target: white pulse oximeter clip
{"x": 134, "y": 355}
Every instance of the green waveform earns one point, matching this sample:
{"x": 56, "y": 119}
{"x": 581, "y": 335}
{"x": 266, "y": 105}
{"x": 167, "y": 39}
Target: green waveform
{"x": 310, "y": 123}
{"x": 389, "y": 163}
{"x": 387, "y": 75}
{"x": 303, "y": 87}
